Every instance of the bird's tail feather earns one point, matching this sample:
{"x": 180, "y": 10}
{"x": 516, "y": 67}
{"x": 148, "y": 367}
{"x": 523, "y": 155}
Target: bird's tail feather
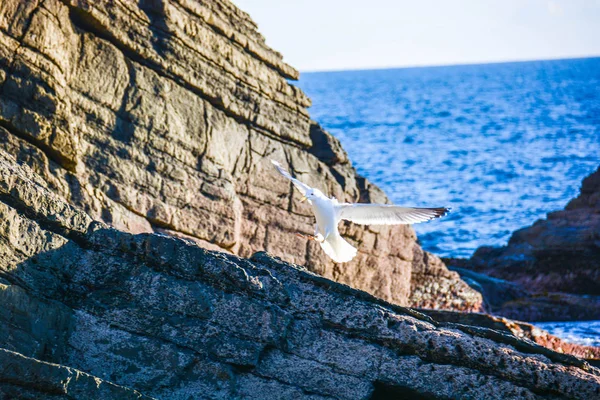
{"x": 338, "y": 249}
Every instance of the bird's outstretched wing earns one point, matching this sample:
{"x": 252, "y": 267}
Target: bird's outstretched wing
{"x": 386, "y": 214}
{"x": 299, "y": 185}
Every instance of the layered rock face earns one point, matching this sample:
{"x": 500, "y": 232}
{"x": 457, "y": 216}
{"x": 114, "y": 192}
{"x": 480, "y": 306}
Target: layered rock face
{"x": 161, "y": 116}
{"x": 150, "y": 315}
{"x": 27, "y": 378}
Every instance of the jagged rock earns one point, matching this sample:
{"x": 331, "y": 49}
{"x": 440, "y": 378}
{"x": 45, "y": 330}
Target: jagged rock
{"x": 26, "y": 378}
{"x": 167, "y": 318}
{"x": 161, "y": 116}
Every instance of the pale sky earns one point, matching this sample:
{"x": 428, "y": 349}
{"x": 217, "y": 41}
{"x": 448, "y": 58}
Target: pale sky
{"x": 317, "y": 35}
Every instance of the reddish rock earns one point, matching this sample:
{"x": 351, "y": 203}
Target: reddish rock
{"x": 432, "y": 282}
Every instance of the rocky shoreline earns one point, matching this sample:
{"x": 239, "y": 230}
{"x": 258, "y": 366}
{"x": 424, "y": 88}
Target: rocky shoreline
{"x": 138, "y": 204}
{"x": 162, "y": 117}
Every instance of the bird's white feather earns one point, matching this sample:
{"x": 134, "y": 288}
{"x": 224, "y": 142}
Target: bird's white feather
{"x": 386, "y": 214}
{"x": 302, "y": 188}
{"x": 329, "y": 212}
{"x": 337, "y": 248}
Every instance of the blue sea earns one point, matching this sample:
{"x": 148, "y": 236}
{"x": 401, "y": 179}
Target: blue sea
{"x": 502, "y": 144}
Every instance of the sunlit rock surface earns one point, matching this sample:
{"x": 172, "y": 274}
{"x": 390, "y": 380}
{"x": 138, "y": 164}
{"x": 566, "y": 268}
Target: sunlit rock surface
{"x": 161, "y": 116}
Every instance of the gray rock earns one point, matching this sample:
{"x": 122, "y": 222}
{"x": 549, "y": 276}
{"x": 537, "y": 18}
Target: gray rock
{"x": 161, "y": 316}
{"x": 26, "y": 378}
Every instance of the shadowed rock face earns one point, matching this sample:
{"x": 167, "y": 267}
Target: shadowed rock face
{"x": 167, "y": 318}
{"x": 26, "y": 378}
{"x": 161, "y": 116}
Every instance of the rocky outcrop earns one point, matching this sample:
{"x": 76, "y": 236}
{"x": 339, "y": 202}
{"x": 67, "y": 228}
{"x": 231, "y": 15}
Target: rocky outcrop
{"x": 161, "y": 116}
{"x": 516, "y": 301}
{"x": 135, "y": 140}
{"x": 548, "y": 271}
{"x": 558, "y": 254}
{"x": 165, "y": 317}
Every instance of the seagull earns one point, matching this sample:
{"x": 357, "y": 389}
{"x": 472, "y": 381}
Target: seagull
{"x": 329, "y": 212}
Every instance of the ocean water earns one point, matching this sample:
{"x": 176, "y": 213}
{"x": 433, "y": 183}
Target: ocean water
{"x": 580, "y": 332}
{"x": 502, "y": 144}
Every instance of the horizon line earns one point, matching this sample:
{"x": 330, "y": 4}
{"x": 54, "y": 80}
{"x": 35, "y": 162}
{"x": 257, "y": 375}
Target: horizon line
{"x": 515, "y": 61}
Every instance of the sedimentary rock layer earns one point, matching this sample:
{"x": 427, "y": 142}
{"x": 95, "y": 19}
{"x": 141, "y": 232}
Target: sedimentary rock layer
{"x": 518, "y": 329}
{"x": 26, "y": 378}
{"x": 161, "y": 116}
{"x": 169, "y": 319}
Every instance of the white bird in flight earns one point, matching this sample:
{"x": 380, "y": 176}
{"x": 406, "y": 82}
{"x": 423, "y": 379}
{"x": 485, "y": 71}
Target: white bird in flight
{"x": 329, "y": 212}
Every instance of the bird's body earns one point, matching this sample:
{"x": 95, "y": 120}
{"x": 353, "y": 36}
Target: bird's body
{"x": 326, "y": 228}
{"x": 329, "y": 212}
{"x": 324, "y": 210}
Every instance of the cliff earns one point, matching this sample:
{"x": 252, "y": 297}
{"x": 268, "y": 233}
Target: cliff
{"x": 158, "y": 316}
{"x": 548, "y": 271}
{"x": 161, "y": 116}
{"x": 135, "y": 192}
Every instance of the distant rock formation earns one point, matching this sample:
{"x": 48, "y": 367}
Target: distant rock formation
{"x": 558, "y": 254}
{"x": 161, "y": 116}
{"x": 548, "y": 271}
{"x": 158, "y": 315}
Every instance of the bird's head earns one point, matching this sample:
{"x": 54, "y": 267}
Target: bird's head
{"x": 312, "y": 194}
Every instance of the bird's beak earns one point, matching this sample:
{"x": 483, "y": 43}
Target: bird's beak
{"x": 303, "y": 199}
